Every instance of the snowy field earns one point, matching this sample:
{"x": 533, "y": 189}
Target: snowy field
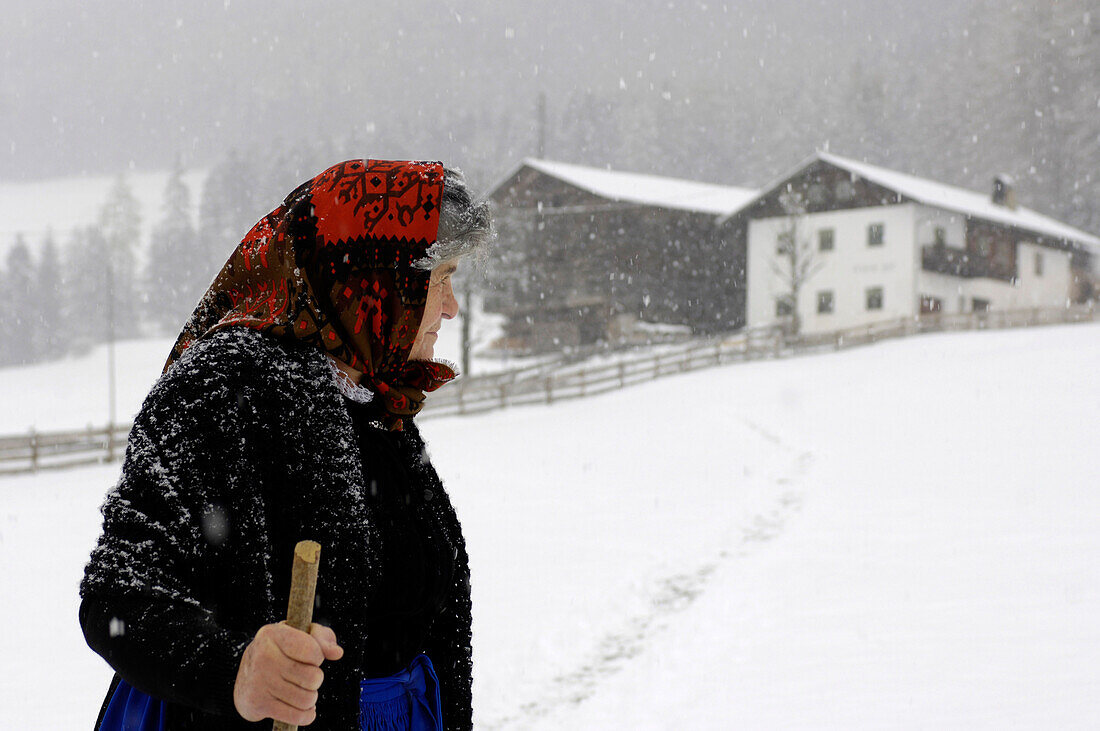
{"x": 62, "y": 204}
{"x": 903, "y": 536}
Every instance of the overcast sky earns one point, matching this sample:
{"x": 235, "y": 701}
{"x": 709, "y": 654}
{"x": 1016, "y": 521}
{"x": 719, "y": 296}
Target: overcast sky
{"x": 96, "y": 87}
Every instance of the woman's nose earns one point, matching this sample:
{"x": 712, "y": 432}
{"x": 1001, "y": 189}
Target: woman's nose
{"x": 450, "y": 303}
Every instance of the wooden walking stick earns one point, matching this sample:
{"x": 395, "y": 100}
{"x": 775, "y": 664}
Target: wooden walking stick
{"x": 303, "y": 587}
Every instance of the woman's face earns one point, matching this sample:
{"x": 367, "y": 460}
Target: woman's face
{"x": 441, "y": 305}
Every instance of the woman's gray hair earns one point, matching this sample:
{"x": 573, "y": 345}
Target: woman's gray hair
{"x": 465, "y": 224}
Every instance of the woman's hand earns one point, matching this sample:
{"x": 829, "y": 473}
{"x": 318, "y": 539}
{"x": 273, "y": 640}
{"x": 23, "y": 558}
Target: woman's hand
{"x": 280, "y": 673}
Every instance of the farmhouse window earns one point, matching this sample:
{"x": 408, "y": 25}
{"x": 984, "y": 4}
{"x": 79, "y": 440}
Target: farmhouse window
{"x": 783, "y": 306}
{"x": 825, "y": 302}
{"x": 874, "y": 298}
{"x": 816, "y": 193}
{"x": 985, "y": 246}
{"x": 930, "y": 305}
{"x": 1038, "y": 263}
{"x": 940, "y": 237}
{"x": 876, "y": 233}
{"x": 1004, "y": 258}
{"x": 979, "y": 305}
{"x": 825, "y": 239}
{"x": 844, "y": 190}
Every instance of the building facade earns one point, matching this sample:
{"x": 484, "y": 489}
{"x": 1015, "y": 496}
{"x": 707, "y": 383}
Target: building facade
{"x": 875, "y": 245}
{"x": 589, "y": 255}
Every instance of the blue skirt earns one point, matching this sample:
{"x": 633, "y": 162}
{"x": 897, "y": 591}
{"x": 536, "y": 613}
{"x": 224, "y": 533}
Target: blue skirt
{"x": 407, "y": 701}
{"x": 132, "y": 710}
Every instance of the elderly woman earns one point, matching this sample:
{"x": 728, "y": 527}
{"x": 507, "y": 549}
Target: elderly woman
{"x": 286, "y": 412}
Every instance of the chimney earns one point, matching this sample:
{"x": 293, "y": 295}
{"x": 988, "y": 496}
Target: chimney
{"x": 1004, "y": 191}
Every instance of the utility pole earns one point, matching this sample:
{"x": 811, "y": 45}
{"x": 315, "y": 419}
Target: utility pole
{"x": 468, "y": 311}
{"x": 541, "y": 120}
{"x": 110, "y": 360}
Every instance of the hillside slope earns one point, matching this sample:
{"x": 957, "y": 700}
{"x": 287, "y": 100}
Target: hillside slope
{"x": 899, "y": 536}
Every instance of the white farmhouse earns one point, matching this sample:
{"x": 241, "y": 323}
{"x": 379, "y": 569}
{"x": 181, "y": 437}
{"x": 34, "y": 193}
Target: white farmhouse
{"x": 879, "y": 245}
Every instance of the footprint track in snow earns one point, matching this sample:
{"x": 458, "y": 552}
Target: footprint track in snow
{"x": 669, "y": 596}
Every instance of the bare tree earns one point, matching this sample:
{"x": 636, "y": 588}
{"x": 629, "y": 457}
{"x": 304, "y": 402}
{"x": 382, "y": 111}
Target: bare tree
{"x": 796, "y": 261}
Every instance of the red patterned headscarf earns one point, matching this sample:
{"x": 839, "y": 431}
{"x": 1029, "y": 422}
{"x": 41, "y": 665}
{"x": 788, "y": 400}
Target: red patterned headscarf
{"x": 334, "y": 267}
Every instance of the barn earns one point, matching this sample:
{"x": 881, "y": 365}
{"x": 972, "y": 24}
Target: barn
{"x": 589, "y": 255}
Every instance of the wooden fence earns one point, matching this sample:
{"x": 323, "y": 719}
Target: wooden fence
{"x": 561, "y": 380}
{"x": 49, "y": 450}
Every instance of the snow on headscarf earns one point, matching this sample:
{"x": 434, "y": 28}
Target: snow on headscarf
{"x": 335, "y": 266}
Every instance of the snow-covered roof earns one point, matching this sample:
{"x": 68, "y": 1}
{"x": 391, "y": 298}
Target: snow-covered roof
{"x": 960, "y": 200}
{"x": 654, "y": 190}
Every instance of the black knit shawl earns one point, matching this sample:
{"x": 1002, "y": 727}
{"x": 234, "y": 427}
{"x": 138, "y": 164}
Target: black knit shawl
{"x": 242, "y": 448}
